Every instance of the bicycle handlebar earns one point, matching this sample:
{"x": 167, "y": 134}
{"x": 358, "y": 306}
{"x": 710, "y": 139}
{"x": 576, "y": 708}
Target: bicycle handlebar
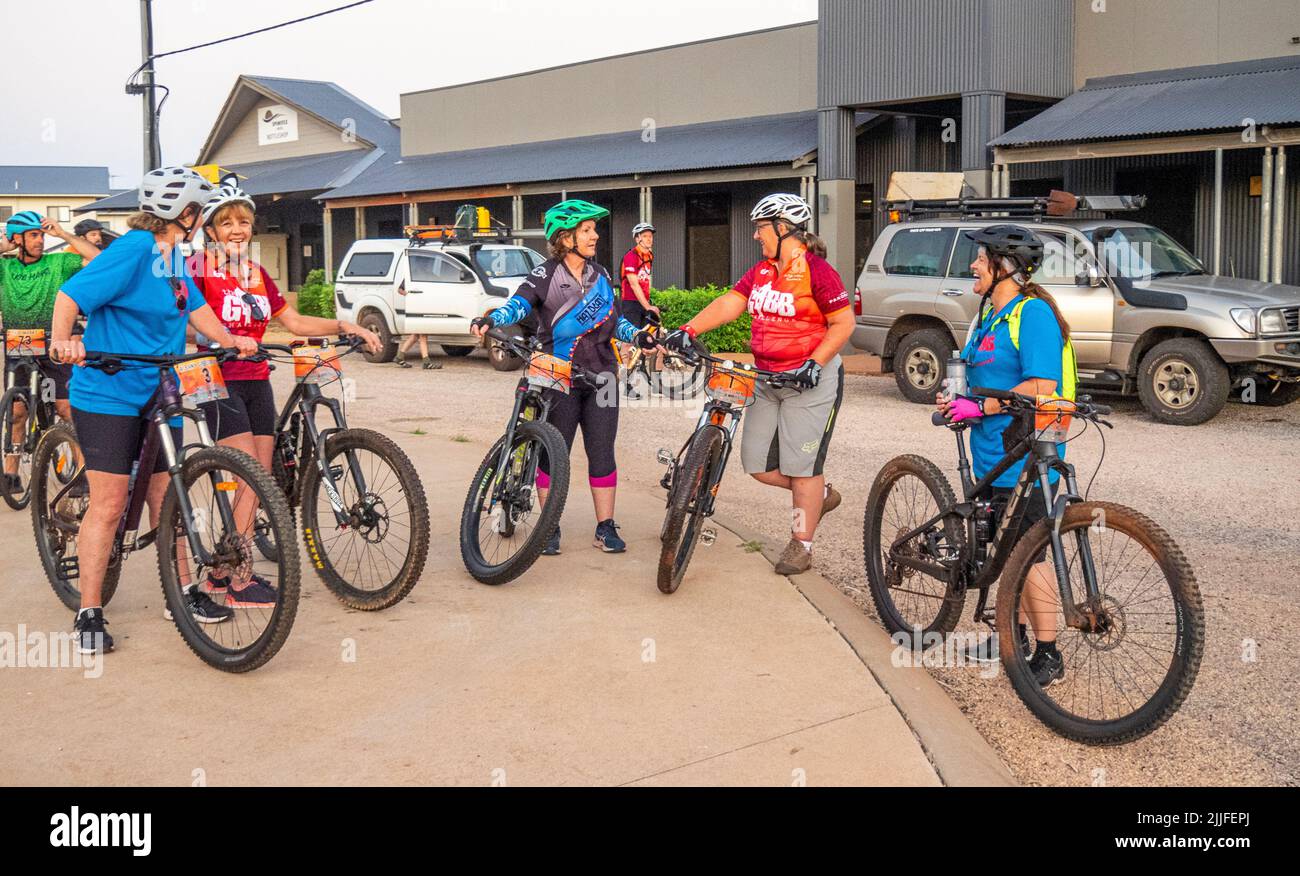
{"x": 1021, "y": 404}
{"x": 776, "y": 379}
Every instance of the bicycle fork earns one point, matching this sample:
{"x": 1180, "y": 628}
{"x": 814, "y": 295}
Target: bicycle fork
{"x": 1087, "y": 621}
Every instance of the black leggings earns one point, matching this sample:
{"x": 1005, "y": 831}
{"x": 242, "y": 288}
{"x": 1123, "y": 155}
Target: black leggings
{"x": 597, "y": 412}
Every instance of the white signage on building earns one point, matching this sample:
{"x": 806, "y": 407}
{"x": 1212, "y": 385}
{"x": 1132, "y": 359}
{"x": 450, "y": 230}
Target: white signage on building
{"x": 276, "y": 124}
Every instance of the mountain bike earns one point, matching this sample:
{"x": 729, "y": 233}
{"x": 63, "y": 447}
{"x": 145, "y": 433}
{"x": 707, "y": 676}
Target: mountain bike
{"x": 504, "y": 524}
{"x": 677, "y": 379}
{"x": 695, "y": 472}
{"x": 365, "y": 519}
{"x": 196, "y": 533}
{"x": 1128, "y": 613}
{"x": 26, "y": 411}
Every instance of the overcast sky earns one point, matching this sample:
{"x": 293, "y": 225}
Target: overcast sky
{"x": 74, "y": 110}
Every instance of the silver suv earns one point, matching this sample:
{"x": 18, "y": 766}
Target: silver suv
{"x": 1145, "y": 316}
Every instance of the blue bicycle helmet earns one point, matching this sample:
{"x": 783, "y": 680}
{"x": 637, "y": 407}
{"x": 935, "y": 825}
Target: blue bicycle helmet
{"x": 26, "y": 220}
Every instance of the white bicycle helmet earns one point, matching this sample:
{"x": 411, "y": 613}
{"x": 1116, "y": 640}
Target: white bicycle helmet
{"x": 167, "y": 191}
{"x": 786, "y": 207}
{"x": 639, "y": 227}
{"x": 228, "y": 192}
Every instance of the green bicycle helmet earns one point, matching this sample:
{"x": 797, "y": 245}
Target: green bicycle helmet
{"x": 26, "y": 220}
{"x": 569, "y": 214}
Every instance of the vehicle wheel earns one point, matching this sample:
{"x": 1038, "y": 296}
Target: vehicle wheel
{"x": 502, "y": 359}
{"x": 1128, "y": 674}
{"x": 919, "y": 364}
{"x": 1275, "y": 393}
{"x": 500, "y": 543}
{"x": 375, "y": 322}
{"x": 56, "y": 516}
{"x": 374, "y": 560}
{"x": 684, "y": 520}
{"x": 253, "y": 634}
{"x": 17, "y": 493}
{"x": 1183, "y": 382}
{"x": 459, "y": 349}
{"x": 909, "y": 491}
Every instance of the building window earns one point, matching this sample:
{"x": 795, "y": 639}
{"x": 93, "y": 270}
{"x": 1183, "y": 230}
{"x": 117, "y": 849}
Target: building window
{"x": 5, "y": 213}
{"x": 864, "y": 225}
{"x": 59, "y": 214}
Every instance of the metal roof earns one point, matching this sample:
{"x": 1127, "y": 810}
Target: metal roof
{"x": 308, "y": 173}
{"x": 335, "y": 105}
{"x": 53, "y": 180}
{"x": 1206, "y": 98}
{"x": 779, "y": 139}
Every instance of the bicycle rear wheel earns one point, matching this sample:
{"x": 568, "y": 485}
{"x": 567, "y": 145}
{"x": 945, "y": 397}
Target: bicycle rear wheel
{"x": 907, "y": 492}
{"x": 59, "y": 501}
{"x": 1129, "y": 672}
{"x": 685, "y": 517}
{"x": 504, "y": 526}
{"x": 18, "y": 455}
{"x": 373, "y": 560}
{"x": 252, "y": 635}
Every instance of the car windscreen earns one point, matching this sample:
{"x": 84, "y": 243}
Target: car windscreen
{"x": 1143, "y": 253}
{"x": 507, "y": 262}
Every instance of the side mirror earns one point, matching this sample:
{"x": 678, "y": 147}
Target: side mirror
{"x": 1089, "y": 276}
{"x": 466, "y": 276}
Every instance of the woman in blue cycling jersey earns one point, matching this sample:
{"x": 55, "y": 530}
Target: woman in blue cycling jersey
{"x": 579, "y": 319}
{"x": 1016, "y": 343}
{"x": 137, "y": 299}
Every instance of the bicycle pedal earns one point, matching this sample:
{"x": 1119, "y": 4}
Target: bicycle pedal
{"x": 69, "y": 568}
{"x": 708, "y": 537}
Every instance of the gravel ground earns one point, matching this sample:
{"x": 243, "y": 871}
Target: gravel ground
{"x": 1225, "y": 491}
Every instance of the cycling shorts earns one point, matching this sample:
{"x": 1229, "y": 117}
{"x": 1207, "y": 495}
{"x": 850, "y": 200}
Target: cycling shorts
{"x": 111, "y": 443}
{"x": 250, "y": 408}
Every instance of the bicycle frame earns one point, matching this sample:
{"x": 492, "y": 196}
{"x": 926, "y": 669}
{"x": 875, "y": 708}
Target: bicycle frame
{"x": 974, "y": 570}
{"x": 303, "y": 401}
{"x": 39, "y": 415}
{"x": 725, "y": 418}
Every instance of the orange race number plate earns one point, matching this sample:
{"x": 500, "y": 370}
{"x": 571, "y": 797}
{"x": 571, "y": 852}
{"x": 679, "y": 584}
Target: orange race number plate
{"x": 25, "y": 342}
{"x": 201, "y": 380}
{"x": 549, "y": 372}
{"x": 316, "y": 365}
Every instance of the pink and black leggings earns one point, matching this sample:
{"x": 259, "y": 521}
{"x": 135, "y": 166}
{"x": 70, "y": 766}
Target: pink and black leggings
{"x": 597, "y": 412}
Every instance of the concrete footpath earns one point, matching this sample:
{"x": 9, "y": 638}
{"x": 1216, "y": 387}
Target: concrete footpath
{"x": 579, "y": 673}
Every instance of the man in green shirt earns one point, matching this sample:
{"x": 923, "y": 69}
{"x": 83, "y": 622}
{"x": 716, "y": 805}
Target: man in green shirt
{"x": 29, "y": 282}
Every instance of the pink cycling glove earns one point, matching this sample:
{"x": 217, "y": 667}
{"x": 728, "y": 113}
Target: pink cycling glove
{"x": 964, "y": 409}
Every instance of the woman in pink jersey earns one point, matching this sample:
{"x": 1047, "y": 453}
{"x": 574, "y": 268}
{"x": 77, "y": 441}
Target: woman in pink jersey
{"x": 245, "y": 298}
{"x": 801, "y": 320}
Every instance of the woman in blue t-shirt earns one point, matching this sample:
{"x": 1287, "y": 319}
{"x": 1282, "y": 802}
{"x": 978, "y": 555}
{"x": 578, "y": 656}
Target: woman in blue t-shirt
{"x": 137, "y": 299}
{"x": 1007, "y": 259}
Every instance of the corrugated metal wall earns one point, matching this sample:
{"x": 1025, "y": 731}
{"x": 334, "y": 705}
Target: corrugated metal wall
{"x": 892, "y": 50}
{"x": 1241, "y": 211}
{"x": 902, "y": 143}
{"x": 670, "y": 237}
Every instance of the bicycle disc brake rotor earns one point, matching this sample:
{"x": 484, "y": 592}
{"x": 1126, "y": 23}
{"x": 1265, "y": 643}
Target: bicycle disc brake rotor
{"x": 369, "y": 518}
{"x": 1105, "y": 623}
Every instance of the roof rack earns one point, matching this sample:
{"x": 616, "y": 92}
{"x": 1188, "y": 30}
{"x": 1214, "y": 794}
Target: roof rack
{"x": 472, "y": 223}
{"x": 1056, "y": 204}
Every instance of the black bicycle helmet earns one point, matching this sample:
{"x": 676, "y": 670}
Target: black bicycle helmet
{"x": 85, "y": 226}
{"x": 1015, "y": 242}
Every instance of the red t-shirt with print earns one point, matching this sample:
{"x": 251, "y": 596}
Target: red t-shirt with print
{"x": 639, "y": 266}
{"x": 789, "y": 308}
{"x": 225, "y": 293}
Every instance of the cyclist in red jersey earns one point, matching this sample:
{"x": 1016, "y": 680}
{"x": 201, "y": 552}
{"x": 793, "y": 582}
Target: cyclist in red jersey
{"x": 801, "y": 320}
{"x": 244, "y": 296}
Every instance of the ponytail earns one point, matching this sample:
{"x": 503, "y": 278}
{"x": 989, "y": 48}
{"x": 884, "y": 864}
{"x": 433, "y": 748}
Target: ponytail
{"x": 811, "y": 242}
{"x": 1033, "y": 290}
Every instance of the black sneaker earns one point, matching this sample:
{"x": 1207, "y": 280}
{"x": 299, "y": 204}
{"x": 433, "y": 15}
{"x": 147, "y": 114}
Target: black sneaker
{"x": 91, "y": 636}
{"x": 202, "y": 608}
{"x": 1048, "y": 667}
{"x": 552, "y": 548}
{"x": 987, "y": 649}
{"x": 607, "y": 537}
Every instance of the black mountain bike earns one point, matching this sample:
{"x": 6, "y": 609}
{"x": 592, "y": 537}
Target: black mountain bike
{"x": 1127, "y": 611}
{"x": 695, "y": 472}
{"x": 504, "y": 525}
{"x": 365, "y": 519}
{"x": 26, "y": 411}
{"x": 197, "y": 523}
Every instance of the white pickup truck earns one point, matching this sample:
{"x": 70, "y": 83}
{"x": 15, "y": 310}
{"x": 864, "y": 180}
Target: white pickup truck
{"x": 429, "y": 287}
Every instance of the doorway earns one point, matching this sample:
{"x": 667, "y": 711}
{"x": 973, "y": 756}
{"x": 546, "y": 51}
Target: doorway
{"x": 708, "y": 239}
{"x": 1171, "y": 199}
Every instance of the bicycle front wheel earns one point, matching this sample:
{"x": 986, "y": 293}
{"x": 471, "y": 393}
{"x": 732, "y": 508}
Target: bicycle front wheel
{"x": 1132, "y": 660}
{"x": 253, "y": 630}
{"x": 372, "y": 560}
{"x": 15, "y": 417}
{"x": 504, "y": 525}
{"x": 685, "y": 517}
{"x": 679, "y": 379}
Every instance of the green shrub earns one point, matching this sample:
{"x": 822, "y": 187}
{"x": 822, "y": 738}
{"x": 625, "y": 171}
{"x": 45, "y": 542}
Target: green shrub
{"x": 316, "y": 297}
{"x": 677, "y": 306}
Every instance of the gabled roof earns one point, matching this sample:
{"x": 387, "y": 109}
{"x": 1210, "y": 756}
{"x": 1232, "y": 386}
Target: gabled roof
{"x": 779, "y": 139}
{"x": 325, "y": 101}
{"x": 1205, "y": 98}
{"x": 53, "y": 180}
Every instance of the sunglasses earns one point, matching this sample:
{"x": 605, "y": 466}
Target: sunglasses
{"x": 182, "y": 300}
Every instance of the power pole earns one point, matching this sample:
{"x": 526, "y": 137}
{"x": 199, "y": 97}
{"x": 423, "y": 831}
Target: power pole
{"x": 151, "y": 157}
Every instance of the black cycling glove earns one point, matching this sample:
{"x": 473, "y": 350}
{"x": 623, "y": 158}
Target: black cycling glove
{"x": 645, "y": 340}
{"x": 481, "y": 322}
{"x": 681, "y": 341}
{"x": 808, "y": 375}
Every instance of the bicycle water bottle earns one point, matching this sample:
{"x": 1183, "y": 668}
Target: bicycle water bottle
{"x": 954, "y": 383}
